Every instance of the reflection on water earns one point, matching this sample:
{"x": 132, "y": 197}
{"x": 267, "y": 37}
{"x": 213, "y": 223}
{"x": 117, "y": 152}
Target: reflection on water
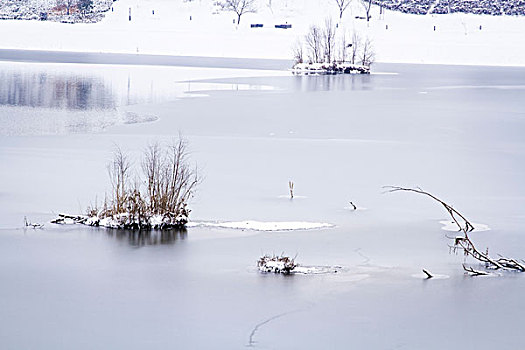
{"x": 60, "y": 99}
{"x": 148, "y": 237}
{"x": 57, "y": 99}
{"x": 338, "y": 82}
{"x": 41, "y": 89}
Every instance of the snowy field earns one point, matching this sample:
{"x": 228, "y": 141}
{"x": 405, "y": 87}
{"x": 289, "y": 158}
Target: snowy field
{"x": 397, "y": 37}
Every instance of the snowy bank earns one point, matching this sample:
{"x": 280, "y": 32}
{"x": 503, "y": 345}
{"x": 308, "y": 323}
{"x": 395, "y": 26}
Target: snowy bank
{"x": 196, "y": 28}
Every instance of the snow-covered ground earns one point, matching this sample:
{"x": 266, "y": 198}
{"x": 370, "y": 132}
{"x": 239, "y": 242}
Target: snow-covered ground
{"x": 199, "y": 28}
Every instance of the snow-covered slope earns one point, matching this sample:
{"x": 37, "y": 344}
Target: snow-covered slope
{"x": 199, "y": 28}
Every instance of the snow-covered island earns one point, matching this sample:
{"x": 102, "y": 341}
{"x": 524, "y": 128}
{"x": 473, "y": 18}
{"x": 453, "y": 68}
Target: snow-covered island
{"x": 154, "y": 198}
{"x": 127, "y": 221}
{"x": 329, "y": 68}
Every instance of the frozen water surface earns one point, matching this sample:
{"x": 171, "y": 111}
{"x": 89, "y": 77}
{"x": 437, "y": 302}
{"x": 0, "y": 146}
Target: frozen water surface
{"x": 454, "y": 131}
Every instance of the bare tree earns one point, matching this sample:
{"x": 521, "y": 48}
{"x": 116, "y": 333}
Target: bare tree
{"x": 342, "y": 48}
{"x": 356, "y": 44}
{"x": 464, "y": 242}
{"x": 240, "y": 7}
{"x": 367, "y": 5}
{"x": 367, "y": 53}
{"x": 342, "y": 5}
{"x": 298, "y": 53}
{"x": 314, "y": 44}
{"x": 152, "y": 165}
{"x": 329, "y": 40}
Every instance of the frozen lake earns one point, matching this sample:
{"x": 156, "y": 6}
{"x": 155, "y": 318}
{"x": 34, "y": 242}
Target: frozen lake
{"x": 455, "y": 131}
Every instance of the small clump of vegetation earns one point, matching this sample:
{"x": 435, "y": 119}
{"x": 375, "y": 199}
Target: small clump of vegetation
{"x": 155, "y": 196}
{"x": 276, "y": 264}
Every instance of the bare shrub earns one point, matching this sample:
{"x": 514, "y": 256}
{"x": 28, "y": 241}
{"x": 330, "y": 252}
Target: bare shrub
{"x": 314, "y": 44}
{"x": 298, "y": 53}
{"x": 367, "y": 53}
{"x": 329, "y": 40}
{"x": 356, "y": 45}
{"x": 159, "y": 194}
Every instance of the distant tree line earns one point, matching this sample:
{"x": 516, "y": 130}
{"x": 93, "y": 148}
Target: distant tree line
{"x": 479, "y": 7}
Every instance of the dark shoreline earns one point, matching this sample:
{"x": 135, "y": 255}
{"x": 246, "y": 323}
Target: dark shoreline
{"x": 141, "y": 59}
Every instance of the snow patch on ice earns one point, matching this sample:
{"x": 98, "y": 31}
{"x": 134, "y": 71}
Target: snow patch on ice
{"x": 267, "y": 226}
{"x": 294, "y": 197}
{"x": 451, "y": 226}
{"x": 316, "y": 270}
{"x": 434, "y": 277}
{"x": 352, "y": 208}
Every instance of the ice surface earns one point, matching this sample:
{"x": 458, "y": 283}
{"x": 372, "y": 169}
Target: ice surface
{"x": 77, "y": 287}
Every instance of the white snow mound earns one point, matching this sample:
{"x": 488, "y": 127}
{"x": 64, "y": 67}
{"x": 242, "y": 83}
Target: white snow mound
{"x": 264, "y": 225}
{"x": 451, "y": 226}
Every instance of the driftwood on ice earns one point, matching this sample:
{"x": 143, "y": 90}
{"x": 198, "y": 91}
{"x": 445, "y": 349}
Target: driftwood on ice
{"x": 464, "y": 242}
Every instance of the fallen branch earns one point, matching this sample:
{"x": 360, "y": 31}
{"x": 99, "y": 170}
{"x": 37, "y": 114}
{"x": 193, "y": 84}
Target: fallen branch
{"x": 33, "y": 225}
{"x": 464, "y": 242}
{"x": 429, "y": 275}
{"x": 471, "y": 272}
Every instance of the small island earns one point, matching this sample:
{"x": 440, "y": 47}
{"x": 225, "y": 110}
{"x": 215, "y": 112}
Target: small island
{"x": 331, "y": 49}
{"x": 154, "y": 198}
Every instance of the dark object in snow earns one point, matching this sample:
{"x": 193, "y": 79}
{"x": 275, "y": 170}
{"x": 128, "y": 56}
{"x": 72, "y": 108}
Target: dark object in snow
{"x": 126, "y": 221}
{"x": 471, "y": 272}
{"x": 276, "y": 264}
{"x": 353, "y": 205}
{"x": 429, "y": 275}
{"x": 70, "y": 219}
{"x": 283, "y": 26}
{"x": 329, "y": 68}
{"x": 32, "y": 225}
{"x": 256, "y": 25}
{"x": 464, "y": 243}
